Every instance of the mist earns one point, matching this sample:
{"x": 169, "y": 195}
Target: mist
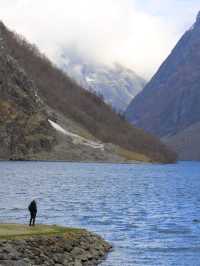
{"x": 104, "y": 31}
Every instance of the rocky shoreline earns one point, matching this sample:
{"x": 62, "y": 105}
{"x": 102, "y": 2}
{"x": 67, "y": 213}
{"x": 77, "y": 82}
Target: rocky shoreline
{"x": 79, "y": 248}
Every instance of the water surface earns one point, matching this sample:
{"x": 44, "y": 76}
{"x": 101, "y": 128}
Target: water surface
{"x": 146, "y": 211}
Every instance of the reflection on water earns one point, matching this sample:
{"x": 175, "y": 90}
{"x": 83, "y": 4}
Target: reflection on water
{"x": 151, "y": 213}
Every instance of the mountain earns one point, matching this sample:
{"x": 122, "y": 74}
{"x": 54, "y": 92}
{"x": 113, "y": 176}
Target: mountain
{"x": 24, "y": 128}
{"x": 186, "y": 142}
{"x": 118, "y": 85}
{"x": 45, "y": 115}
{"x": 169, "y": 105}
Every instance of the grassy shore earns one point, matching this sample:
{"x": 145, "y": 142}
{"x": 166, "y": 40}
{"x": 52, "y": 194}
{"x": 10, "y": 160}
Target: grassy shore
{"x": 12, "y": 231}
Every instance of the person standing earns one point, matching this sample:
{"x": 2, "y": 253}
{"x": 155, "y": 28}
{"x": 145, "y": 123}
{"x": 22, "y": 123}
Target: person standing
{"x": 33, "y": 212}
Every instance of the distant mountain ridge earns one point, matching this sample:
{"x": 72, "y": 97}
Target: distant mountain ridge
{"x": 169, "y": 103}
{"x": 117, "y": 84}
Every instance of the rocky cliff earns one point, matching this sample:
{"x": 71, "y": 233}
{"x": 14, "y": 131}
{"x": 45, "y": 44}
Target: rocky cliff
{"x": 170, "y": 101}
{"x": 24, "y": 128}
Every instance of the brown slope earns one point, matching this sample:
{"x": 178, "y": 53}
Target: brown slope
{"x": 24, "y": 128}
{"x": 65, "y": 96}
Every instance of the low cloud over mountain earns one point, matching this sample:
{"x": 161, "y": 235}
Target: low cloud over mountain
{"x": 137, "y": 34}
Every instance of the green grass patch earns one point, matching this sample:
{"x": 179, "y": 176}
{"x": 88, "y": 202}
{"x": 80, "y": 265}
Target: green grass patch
{"x": 133, "y": 156}
{"x": 13, "y": 231}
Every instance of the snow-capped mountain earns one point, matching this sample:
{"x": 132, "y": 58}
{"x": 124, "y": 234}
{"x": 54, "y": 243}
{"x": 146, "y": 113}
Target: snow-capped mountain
{"x": 118, "y": 85}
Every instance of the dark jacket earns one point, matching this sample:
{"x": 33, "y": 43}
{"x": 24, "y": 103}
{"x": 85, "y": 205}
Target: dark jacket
{"x": 33, "y": 208}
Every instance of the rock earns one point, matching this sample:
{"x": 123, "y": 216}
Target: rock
{"x": 77, "y": 263}
{"x": 85, "y": 245}
{"x": 8, "y": 263}
{"x": 77, "y": 251}
{"x": 80, "y": 249}
{"x": 68, "y": 246}
{"x": 58, "y": 258}
{"x": 36, "y": 252}
{"x": 85, "y": 256}
{"x": 23, "y": 262}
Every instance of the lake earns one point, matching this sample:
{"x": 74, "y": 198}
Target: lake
{"x": 146, "y": 211}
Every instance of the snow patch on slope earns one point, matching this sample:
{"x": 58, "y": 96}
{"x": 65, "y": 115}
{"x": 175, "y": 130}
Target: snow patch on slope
{"x": 76, "y": 138}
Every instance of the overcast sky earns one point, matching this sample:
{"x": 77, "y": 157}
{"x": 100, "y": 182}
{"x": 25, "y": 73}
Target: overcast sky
{"x": 136, "y": 33}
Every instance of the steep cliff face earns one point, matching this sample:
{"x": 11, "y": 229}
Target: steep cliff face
{"x": 24, "y": 128}
{"x": 170, "y": 101}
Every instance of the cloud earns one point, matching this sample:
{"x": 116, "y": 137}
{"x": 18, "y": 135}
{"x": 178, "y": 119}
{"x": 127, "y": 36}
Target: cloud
{"x": 124, "y": 31}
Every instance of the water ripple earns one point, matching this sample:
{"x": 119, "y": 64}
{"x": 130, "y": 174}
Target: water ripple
{"x": 150, "y": 213}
